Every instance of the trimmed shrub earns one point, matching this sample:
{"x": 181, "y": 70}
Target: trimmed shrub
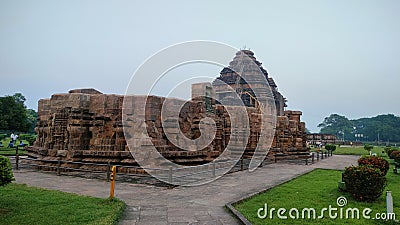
{"x": 389, "y": 153}
{"x": 330, "y": 147}
{"x": 3, "y": 136}
{"x": 376, "y": 162}
{"x": 396, "y": 156}
{"x": 368, "y": 147}
{"x": 6, "y": 174}
{"x": 364, "y": 183}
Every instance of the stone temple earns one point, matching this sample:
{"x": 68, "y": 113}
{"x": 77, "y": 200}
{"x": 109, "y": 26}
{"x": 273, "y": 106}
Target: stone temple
{"x": 86, "y": 125}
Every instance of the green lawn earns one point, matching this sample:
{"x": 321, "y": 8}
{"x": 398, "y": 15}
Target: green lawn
{"x": 355, "y": 150}
{"x": 20, "y": 204}
{"x": 5, "y": 150}
{"x": 317, "y": 189}
{"x": 359, "y": 150}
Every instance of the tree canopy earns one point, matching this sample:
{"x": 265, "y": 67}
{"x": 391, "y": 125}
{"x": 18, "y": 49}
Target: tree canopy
{"x": 383, "y": 128}
{"x": 14, "y": 116}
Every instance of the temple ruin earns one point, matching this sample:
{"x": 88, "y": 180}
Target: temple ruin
{"x": 85, "y": 125}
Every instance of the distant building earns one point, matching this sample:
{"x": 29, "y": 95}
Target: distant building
{"x": 316, "y": 139}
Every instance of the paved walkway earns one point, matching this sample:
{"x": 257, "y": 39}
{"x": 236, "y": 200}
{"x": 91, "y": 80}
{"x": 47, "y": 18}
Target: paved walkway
{"x": 183, "y": 205}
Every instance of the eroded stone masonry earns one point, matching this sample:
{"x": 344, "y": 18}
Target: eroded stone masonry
{"x": 85, "y": 125}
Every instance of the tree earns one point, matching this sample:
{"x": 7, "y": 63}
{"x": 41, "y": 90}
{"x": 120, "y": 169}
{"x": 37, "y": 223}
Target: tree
{"x": 31, "y": 116}
{"x": 14, "y": 115}
{"x": 337, "y": 124}
{"x": 367, "y": 129}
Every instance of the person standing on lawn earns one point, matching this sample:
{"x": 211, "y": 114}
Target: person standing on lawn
{"x": 13, "y": 139}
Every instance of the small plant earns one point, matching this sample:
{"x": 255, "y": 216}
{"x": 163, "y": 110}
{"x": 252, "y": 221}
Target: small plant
{"x": 396, "y": 156}
{"x": 364, "y": 183}
{"x": 368, "y": 148}
{"x": 330, "y": 147}
{"x": 376, "y": 162}
{"x": 390, "y": 152}
{"x": 6, "y": 174}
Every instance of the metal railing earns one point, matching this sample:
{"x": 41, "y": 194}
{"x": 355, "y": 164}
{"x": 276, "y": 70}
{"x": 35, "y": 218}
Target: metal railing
{"x": 139, "y": 175}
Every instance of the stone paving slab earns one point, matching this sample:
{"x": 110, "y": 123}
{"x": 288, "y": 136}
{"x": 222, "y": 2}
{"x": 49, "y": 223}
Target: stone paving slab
{"x": 202, "y": 204}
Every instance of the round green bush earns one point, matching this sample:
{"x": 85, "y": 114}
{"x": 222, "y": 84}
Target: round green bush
{"x": 364, "y": 183}
{"x": 330, "y": 147}
{"x": 368, "y": 147}
{"x": 376, "y": 162}
{"x": 6, "y": 174}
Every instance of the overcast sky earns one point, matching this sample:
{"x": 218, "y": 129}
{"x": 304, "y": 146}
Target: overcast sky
{"x": 326, "y": 56}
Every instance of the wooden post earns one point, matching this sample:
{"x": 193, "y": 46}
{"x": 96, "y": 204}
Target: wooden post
{"x": 213, "y": 171}
{"x": 112, "y": 186}
{"x": 58, "y": 166}
{"x": 312, "y": 160}
{"x": 241, "y": 164}
{"x": 108, "y": 171}
{"x": 170, "y": 175}
{"x": 16, "y": 158}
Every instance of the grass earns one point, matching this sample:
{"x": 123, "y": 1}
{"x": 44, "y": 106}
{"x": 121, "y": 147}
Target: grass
{"x": 20, "y": 204}
{"x": 317, "y": 189}
{"x": 359, "y": 150}
{"x": 355, "y": 150}
{"x": 5, "y": 150}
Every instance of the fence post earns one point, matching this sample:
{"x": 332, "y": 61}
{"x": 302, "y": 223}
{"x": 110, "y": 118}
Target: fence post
{"x": 312, "y": 160}
{"x": 170, "y": 175}
{"x": 112, "y": 185}
{"x": 16, "y": 158}
{"x": 307, "y": 161}
{"x": 108, "y": 171}
{"x": 213, "y": 171}
{"x": 241, "y": 164}
{"x": 322, "y": 155}
{"x": 58, "y": 166}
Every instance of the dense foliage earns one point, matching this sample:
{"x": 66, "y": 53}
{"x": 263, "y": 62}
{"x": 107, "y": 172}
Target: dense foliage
{"x": 396, "y": 156}
{"x": 364, "y": 183}
{"x": 14, "y": 116}
{"x": 31, "y": 138}
{"x": 6, "y": 174}
{"x": 376, "y": 162}
{"x": 379, "y": 128}
{"x": 330, "y": 147}
{"x": 368, "y": 147}
{"x": 389, "y": 151}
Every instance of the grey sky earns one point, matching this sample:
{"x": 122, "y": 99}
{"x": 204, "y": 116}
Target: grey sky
{"x": 326, "y": 56}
